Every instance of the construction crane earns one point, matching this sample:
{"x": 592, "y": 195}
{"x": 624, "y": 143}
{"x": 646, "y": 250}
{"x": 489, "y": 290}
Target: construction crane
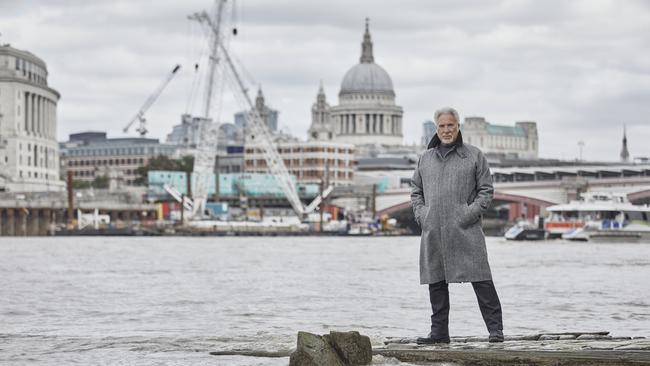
{"x": 260, "y": 130}
{"x": 142, "y": 128}
{"x": 206, "y": 149}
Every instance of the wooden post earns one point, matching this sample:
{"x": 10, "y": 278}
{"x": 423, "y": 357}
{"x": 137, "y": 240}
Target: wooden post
{"x": 261, "y": 210}
{"x": 373, "y": 201}
{"x": 182, "y": 209}
{"x": 70, "y": 200}
{"x": 216, "y": 179}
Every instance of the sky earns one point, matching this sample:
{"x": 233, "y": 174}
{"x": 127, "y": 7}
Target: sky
{"x": 579, "y": 68}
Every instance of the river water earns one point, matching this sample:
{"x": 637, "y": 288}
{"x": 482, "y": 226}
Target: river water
{"x": 171, "y": 300}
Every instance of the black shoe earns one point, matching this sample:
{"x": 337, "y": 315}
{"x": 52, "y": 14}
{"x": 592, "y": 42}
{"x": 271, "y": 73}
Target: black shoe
{"x": 432, "y": 340}
{"x": 496, "y": 336}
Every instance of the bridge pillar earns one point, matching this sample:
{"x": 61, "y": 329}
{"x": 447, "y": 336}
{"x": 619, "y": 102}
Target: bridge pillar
{"x": 58, "y": 217}
{"x": 21, "y": 223}
{"x": 31, "y": 222}
{"x": 44, "y": 221}
{"x": 10, "y": 229}
{"x": 113, "y": 216}
{"x": 514, "y": 213}
{"x": 522, "y": 210}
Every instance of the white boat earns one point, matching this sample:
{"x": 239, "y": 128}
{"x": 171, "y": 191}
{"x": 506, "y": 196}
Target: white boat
{"x": 599, "y": 217}
{"x": 525, "y": 230}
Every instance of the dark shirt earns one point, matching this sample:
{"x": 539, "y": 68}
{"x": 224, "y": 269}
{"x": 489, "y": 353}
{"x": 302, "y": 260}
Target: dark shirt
{"x": 445, "y": 149}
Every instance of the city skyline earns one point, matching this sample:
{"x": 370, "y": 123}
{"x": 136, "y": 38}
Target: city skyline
{"x": 576, "y": 69}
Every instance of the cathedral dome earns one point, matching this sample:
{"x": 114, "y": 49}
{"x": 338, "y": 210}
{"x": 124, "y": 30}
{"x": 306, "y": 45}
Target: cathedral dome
{"x": 367, "y": 77}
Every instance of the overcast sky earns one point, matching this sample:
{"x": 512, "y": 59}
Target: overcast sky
{"x": 581, "y": 69}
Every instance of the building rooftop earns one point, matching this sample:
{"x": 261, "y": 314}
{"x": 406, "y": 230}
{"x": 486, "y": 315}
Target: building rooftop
{"x": 386, "y": 163}
{"x": 99, "y": 138}
{"x": 505, "y": 130}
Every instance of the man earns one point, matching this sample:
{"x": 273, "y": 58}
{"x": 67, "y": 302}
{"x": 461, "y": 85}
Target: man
{"x": 451, "y": 189}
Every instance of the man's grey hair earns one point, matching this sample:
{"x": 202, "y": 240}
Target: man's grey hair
{"x": 446, "y": 110}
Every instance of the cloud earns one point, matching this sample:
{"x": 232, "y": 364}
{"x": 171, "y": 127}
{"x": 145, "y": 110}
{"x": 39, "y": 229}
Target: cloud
{"x": 581, "y": 69}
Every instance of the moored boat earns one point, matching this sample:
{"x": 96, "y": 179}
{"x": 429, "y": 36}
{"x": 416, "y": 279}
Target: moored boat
{"x": 600, "y": 217}
{"x": 524, "y": 230}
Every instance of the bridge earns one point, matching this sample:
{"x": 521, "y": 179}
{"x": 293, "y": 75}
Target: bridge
{"x": 523, "y": 192}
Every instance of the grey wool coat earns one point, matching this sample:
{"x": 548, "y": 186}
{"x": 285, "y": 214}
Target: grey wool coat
{"x": 449, "y": 195}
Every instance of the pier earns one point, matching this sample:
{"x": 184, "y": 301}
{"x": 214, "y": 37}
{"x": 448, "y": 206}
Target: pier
{"x": 41, "y": 217}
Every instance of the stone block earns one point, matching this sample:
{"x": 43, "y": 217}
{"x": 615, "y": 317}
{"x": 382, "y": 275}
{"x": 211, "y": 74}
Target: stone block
{"x": 334, "y": 349}
{"x": 314, "y": 350}
{"x": 352, "y": 347}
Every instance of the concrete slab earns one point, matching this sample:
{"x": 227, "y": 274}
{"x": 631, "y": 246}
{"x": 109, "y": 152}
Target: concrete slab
{"x": 571, "y": 348}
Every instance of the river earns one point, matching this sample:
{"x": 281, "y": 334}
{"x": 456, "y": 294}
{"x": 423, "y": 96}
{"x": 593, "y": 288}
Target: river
{"x": 171, "y": 300}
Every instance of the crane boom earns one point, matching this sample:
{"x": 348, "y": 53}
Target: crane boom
{"x": 261, "y": 132}
{"x": 206, "y": 149}
{"x": 142, "y": 129}
{"x": 214, "y": 59}
{"x": 263, "y": 137}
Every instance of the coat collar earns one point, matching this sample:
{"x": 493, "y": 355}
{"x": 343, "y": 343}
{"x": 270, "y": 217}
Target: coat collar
{"x": 460, "y": 148}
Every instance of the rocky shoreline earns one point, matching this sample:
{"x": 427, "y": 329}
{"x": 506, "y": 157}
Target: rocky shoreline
{"x": 540, "y": 349}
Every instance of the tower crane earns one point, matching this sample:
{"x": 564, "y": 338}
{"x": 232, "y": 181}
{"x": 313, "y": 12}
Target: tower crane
{"x": 263, "y": 136}
{"x": 142, "y": 129}
{"x": 206, "y": 149}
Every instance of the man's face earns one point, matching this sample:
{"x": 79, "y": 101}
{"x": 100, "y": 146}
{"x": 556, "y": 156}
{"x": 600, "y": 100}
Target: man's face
{"x": 447, "y": 128}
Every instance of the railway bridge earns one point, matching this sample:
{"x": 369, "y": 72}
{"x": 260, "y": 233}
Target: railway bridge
{"x": 519, "y": 192}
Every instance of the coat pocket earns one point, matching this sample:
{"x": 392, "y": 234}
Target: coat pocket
{"x": 421, "y": 215}
{"x": 466, "y": 217}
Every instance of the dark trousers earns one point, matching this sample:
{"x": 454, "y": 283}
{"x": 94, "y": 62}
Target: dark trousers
{"x": 488, "y": 302}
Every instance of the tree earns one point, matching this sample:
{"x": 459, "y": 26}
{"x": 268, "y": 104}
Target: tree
{"x": 100, "y": 181}
{"x": 162, "y": 162}
{"x": 80, "y": 184}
